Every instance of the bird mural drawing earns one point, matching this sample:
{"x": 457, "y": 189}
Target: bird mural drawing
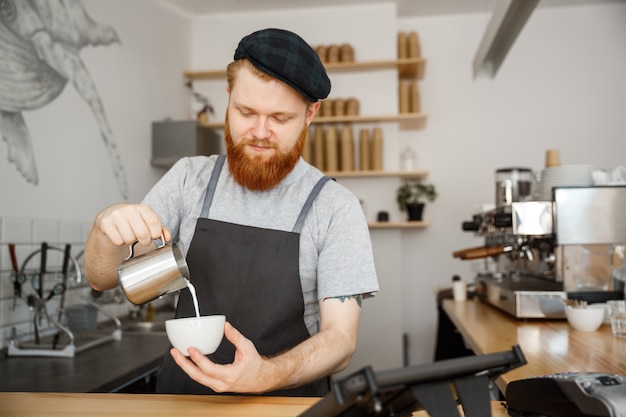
{"x": 40, "y": 42}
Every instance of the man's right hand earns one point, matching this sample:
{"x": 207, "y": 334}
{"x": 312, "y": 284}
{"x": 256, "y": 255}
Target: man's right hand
{"x": 114, "y": 229}
{"x": 125, "y": 224}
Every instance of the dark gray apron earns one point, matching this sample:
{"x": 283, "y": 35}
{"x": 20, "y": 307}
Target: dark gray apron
{"x": 252, "y": 276}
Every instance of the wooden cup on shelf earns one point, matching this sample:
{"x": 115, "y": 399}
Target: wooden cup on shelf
{"x": 333, "y": 54}
{"x": 346, "y": 53}
{"x": 318, "y": 148}
{"x": 414, "y": 98}
{"x": 322, "y": 52}
{"x": 402, "y": 45}
{"x": 347, "y": 149}
{"x": 339, "y": 107}
{"x": 365, "y": 147}
{"x": 352, "y": 107}
{"x": 307, "y": 149}
{"x": 404, "y": 104}
{"x": 331, "y": 160}
{"x": 553, "y": 158}
{"x": 377, "y": 149}
{"x": 414, "y": 49}
{"x": 326, "y": 109}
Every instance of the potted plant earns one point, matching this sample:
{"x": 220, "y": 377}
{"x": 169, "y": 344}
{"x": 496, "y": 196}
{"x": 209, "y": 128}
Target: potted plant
{"x": 412, "y": 195}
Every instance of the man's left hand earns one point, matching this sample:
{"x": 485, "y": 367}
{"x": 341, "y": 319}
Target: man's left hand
{"x": 248, "y": 373}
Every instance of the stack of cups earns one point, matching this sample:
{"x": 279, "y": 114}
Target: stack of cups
{"x": 617, "y": 314}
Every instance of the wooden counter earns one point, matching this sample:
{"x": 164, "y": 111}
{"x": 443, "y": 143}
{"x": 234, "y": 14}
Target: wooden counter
{"x": 106, "y": 405}
{"x": 550, "y": 346}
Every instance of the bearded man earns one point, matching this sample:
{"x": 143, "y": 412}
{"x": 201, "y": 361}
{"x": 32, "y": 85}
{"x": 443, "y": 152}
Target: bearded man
{"x": 270, "y": 243}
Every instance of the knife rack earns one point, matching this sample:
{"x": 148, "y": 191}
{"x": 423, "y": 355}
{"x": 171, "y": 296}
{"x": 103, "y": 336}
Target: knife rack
{"x": 37, "y": 303}
{"x": 74, "y": 346}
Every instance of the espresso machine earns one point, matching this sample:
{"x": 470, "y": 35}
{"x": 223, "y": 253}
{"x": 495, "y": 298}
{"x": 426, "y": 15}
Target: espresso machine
{"x": 539, "y": 253}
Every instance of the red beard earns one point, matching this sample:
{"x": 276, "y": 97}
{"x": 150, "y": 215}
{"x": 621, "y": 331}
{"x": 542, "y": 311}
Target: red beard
{"x": 255, "y": 173}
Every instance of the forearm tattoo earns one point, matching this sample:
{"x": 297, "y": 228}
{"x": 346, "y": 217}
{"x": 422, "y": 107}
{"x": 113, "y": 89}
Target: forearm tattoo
{"x": 343, "y": 298}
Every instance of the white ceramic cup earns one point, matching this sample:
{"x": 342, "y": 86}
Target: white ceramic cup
{"x": 205, "y": 333}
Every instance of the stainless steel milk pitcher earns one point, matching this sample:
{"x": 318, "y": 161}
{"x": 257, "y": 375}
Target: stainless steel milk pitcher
{"x": 147, "y": 277}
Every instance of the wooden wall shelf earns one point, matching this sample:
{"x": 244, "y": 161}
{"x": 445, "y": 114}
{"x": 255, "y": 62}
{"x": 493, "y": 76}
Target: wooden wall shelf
{"x": 407, "y": 68}
{"x": 406, "y": 120}
{"x": 378, "y": 174}
{"x": 412, "y": 68}
{"x": 399, "y": 225}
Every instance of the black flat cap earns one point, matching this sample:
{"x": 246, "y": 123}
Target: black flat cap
{"x": 286, "y": 56}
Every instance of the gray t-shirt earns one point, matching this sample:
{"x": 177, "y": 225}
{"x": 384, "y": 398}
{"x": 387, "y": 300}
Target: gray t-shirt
{"x": 335, "y": 248}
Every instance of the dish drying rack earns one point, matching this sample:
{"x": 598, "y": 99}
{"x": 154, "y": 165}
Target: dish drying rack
{"x": 38, "y": 304}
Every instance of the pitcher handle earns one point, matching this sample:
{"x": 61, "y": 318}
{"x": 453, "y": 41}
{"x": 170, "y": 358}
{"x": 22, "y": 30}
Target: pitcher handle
{"x": 160, "y": 242}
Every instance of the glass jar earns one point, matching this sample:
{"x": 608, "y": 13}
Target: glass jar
{"x": 513, "y": 185}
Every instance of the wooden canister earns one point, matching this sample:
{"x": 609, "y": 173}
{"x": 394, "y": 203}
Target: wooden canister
{"x": 322, "y": 52}
{"x": 365, "y": 154}
{"x": 307, "y": 153}
{"x": 414, "y": 49}
{"x": 327, "y": 108}
{"x": 332, "y": 54}
{"x": 318, "y": 147}
{"x": 352, "y": 107}
{"x": 331, "y": 160}
{"x": 414, "y": 98}
{"x": 339, "y": 107}
{"x": 347, "y": 149}
{"x": 346, "y": 53}
{"x": 403, "y": 94}
{"x": 377, "y": 149}
{"x": 402, "y": 45}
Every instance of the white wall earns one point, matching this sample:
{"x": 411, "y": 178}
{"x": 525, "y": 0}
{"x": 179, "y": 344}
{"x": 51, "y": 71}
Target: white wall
{"x": 139, "y": 81}
{"x": 561, "y": 86}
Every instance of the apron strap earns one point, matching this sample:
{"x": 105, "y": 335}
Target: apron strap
{"x": 215, "y": 175}
{"x": 297, "y": 228}
{"x": 217, "y": 170}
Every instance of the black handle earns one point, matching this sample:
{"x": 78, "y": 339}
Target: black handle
{"x": 470, "y": 226}
{"x": 503, "y": 220}
{"x": 66, "y": 259}
{"x": 17, "y": 278}
{"x": 13, "y": 257}
{"x": 42, "y": 267}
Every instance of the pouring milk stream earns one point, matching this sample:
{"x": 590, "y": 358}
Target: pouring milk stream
{"x": 194, "y": 297}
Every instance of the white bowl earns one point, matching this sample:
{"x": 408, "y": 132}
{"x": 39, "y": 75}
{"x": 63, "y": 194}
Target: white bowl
{"x": 204, "y": 333}
{"x": 587, "y": 319}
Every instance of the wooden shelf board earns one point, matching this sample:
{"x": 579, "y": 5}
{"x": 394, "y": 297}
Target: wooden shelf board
{"x": 370, "y": 118}
{"x": 399, "y": 225}
{"x": 407, "y": 68}
{"x": 204, "y": 75}
{"x": 406, "y": 120}
{"x": 370, "y": 174}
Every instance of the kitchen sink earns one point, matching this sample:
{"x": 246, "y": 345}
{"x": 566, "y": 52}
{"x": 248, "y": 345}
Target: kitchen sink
{"x": 145, "y": 327}
{"x": 138, "y": 325}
